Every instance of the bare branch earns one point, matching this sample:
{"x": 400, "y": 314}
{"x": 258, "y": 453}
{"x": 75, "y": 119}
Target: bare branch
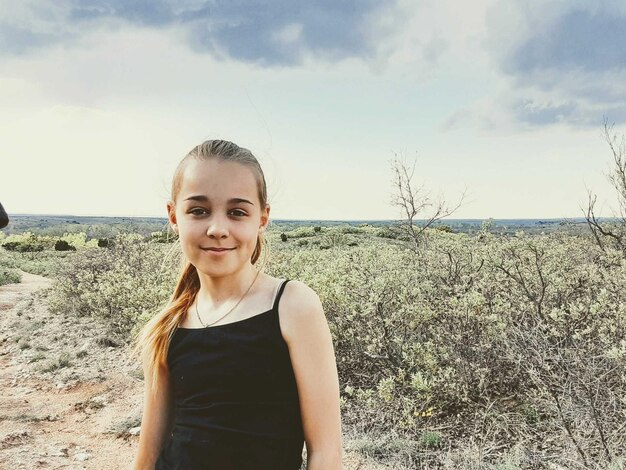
{"x": 617, "y": 177}
{"x": 415, "y": 201}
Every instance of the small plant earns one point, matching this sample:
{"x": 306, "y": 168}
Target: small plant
{"x": 9, "y": 276}
{"x": 33, "y": 326}
{"x": 349, "y": 229}
{"x": 386, "y": 232}
{"x": 335, "y": 238}
{"x": 37, "y": 357}
{"x": 444, "y": 228}
{"x": 531, "y": 415}
{"x": 104, "y": 242}
{"x": 431, "y": 439}
{"x": 62, "y": 245}
{"x": 28, "y": 418}
{"x": 106, "y": 342}
{"x": 62, "y": 361}
{"x": 283, "y": 237}
{"x": 162, "y": 236}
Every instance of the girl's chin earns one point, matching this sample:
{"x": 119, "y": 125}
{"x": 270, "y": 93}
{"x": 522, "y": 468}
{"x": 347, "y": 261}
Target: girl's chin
{"x": 210, "y": 271}
{"x": 219, "y": 265}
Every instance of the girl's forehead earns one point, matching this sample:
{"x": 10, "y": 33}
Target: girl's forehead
{"x": 217, "y": 179}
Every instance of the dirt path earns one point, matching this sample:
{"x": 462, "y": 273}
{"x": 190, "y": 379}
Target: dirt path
{"x": 67, "y": 399}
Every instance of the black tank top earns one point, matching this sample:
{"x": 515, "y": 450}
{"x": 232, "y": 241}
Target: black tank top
{"x": 234, "y": 386}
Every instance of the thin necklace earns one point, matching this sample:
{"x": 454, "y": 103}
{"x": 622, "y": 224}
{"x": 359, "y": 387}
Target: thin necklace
{"x": 198, "y": 313}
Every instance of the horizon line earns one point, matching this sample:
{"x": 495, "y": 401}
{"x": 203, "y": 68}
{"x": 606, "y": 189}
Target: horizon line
{"x": 305, "y": 220}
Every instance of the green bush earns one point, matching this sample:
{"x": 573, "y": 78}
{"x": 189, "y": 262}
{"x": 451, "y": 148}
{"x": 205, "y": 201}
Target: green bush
{"x": 431, "y": 439}
{"x": 163, "y": 236}
{"x": 9, "y": 276}
{"x": 334, "y": 238}
{"x": 477, "y": 326}
{"x": 301, "y": 232}
{"x": 26, "y": 242}
{"x": 520, "y": 341}
{"x": 79, "y": 240}
{"x": 104, "y": 242}
{"x": 117, "y": 285}
{"x": 387, "y": 232}
{"x": 349, "y": 229}
{"x": 62, "y": 245}
{"x": 43, "y": 263}
{"x": 443, "y": 228}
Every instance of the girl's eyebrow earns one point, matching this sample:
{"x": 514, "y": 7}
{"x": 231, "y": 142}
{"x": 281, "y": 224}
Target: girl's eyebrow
{"x": 202, "y": 198}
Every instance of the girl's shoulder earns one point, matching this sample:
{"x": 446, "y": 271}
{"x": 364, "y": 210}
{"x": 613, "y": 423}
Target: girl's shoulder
{"x": 298, "y": 290}
{"x": 298, "y": 304}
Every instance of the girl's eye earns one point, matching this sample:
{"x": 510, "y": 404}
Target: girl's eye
{"x": 200, "y": 211}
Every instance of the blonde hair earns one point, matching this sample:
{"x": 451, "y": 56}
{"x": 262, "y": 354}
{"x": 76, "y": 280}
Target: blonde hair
{"x": 153, "y": 340}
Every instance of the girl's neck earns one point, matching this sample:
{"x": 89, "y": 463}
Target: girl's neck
{"x": 215, "y": 291}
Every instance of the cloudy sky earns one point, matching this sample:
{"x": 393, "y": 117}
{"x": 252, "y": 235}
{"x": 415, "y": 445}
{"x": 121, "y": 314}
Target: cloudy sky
{"x": 503, "y": 100}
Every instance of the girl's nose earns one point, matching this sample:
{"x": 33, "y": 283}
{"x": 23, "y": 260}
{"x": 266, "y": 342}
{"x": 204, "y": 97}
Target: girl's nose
{"x": 217, "y": 228}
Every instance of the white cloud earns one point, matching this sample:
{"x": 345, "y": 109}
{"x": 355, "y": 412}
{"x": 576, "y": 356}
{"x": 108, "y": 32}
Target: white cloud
{"x": 100, "y": 122}
{"x": 564, "y": 60}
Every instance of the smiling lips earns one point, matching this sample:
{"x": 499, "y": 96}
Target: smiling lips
{"x": 219, "y": 249}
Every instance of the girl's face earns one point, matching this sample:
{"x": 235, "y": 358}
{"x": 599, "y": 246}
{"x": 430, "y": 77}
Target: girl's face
{"x": 218, "y": 207}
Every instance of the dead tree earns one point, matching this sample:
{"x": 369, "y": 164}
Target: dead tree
{"x": 415, "y": 202}
{"x": 603, "y": 233}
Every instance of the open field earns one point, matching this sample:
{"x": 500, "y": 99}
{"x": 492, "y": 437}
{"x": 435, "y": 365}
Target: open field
{"x": 466, "y": 351}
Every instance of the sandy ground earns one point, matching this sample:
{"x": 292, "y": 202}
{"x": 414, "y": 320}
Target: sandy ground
{"x": 69, "y": 399}
{"x": 66, "y": 401}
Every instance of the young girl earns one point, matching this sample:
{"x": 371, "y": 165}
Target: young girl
{"x": 239, "y": 367}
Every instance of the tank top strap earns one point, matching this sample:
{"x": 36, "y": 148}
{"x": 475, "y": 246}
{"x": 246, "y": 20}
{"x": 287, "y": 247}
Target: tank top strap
{"x": 279, "y": 294}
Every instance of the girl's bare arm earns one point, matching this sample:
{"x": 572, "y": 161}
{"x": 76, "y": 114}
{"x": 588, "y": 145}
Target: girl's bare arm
{"x": 308, "y": 337}
{"x": 156, "y": 421}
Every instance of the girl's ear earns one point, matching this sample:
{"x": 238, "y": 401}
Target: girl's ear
{"x": 171, "y": 216}
{"x": 265, "y": 217}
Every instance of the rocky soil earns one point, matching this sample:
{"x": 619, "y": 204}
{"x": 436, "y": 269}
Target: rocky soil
{"x": 69, "y": 398}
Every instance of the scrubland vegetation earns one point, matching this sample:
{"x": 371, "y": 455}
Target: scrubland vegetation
{"x": 465, "y": 351}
